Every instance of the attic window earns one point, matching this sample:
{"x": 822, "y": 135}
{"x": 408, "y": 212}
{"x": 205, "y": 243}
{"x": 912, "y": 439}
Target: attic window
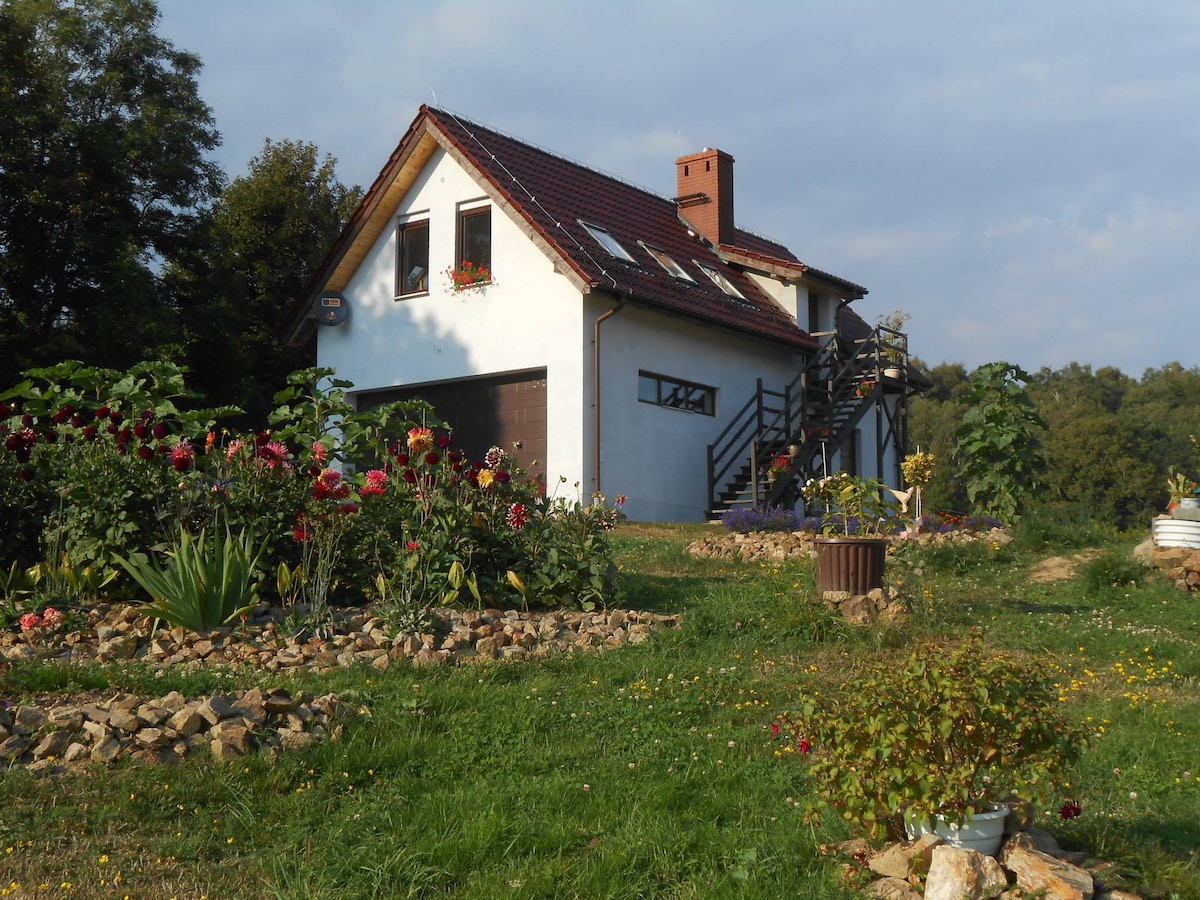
{"x": 666, "y": 262}
{"x": 608, "y": 242}
{"x": 724, "y": 284}
{"x": 412, "y": 258}
{"x": 475, "y": 236}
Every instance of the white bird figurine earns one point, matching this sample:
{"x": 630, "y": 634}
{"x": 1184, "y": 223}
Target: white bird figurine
{"x": 902, "y": 497}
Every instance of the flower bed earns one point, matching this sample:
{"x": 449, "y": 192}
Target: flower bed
{"x": 112, "y": 482}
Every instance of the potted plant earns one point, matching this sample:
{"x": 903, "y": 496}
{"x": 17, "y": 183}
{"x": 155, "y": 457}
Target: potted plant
{"x": 1181, "y": 526}
{"x": 855, "y": 516}
{"x": 468, "y": 276}
{"x": 780, "y": 464}
{"x": 864, "y": 388}
{"x": 894, "y": 341}
{"x": 942, "y": 737}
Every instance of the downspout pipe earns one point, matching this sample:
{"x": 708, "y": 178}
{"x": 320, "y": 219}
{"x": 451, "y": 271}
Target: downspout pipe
{"x": 596, "y": 386}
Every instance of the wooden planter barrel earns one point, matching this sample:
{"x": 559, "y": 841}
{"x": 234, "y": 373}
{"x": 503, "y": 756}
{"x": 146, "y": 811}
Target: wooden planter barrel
{"x": 850, "y": 564}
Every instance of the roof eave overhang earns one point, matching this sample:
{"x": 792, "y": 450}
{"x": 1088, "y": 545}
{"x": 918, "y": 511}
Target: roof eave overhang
{"x": 802, "y": 342}
{"x": 791, "y": 271}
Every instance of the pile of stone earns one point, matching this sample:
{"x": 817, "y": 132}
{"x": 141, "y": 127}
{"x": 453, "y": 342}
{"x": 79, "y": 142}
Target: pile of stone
{"x": 1180, "y": 564}
{"x": 272, "y": 642}
{"x": 53, "y": 735}
{"x": 1029, "y": 864}
{"x": 754, "y": 546}
{"x": 774, "y": 546}
{"x": 172, "y": 727}
{"x": 884, "y": 605}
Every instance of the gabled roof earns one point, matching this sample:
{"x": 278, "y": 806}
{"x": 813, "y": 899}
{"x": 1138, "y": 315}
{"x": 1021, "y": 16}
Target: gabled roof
{"x": 549, "y": 197}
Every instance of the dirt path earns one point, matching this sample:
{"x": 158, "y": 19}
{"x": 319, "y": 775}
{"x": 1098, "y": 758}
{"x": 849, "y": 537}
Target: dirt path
{"x": 1060, "y": 568}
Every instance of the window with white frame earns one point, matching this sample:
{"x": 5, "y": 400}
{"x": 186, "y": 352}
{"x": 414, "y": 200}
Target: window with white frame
{"x": 674, "y": 393}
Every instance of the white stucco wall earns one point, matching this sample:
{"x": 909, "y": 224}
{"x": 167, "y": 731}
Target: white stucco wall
{"x": 654, "y": 455}
{"x": 529, "y": 317}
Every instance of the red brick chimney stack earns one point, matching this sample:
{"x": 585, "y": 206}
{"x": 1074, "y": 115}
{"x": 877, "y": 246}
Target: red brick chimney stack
{"x": 709, "y": 172}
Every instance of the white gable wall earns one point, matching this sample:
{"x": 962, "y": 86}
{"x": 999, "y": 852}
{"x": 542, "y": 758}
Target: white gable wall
{"x": 528, "y": 318}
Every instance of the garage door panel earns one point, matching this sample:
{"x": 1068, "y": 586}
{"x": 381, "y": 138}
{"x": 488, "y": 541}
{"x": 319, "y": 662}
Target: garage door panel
{"x": 498, "y": 410}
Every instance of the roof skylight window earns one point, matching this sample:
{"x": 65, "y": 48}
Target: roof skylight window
{"x": 666, "y": 262}
{"x": 723, "y": 283}
{"x": 608, "y": 242}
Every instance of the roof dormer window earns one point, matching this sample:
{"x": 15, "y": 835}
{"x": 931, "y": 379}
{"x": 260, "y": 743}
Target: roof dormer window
{"x": 607, "y": 241}
{"x": 660, "y": 256}
{"x": 723, "y": 283}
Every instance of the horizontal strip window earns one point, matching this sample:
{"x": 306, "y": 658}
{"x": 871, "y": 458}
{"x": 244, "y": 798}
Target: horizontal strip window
{"x": 675, "y": 394}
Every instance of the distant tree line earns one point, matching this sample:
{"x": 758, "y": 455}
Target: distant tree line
{"x": 1108, "y": 441}
{"x": 120, "y": 240}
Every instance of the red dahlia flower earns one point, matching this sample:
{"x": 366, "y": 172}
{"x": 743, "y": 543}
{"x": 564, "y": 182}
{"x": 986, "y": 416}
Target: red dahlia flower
{"x": 183, "y": 457}
{"x": 376, "y": 483}
{"x": 518, "y": 517}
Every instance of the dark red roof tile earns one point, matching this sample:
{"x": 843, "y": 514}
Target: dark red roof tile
{"x": 554, "y": 195}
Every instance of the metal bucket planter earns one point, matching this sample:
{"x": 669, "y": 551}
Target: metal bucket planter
{"x": 853, "y": 565}
{"x": 984, "y": 832}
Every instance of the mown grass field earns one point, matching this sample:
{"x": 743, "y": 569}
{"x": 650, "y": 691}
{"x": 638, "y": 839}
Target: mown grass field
{"x": 644, "y": 772}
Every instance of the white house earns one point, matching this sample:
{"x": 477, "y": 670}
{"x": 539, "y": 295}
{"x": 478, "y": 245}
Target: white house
{"x": 629, "y": 343}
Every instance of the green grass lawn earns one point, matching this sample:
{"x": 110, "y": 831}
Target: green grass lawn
{"x": 644, "y": 772}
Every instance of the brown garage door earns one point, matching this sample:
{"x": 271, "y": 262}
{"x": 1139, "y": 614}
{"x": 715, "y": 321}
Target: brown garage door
{"x": 492, "y": 410}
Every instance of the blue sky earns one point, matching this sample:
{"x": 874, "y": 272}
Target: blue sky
{"x": 1023, "y": 178}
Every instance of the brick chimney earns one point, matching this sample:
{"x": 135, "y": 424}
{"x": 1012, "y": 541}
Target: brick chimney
{"x": 705, "y": 193}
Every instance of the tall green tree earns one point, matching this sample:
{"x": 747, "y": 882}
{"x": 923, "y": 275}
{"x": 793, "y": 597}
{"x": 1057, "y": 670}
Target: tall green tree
{"x": 933, "y": 420}
{"x": 266, "y": 235}
{"x": 998, "y": 448}
{"x": 103, "y": 170}
{"x": 1098, "y": 469}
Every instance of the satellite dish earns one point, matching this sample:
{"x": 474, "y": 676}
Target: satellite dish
{"x": 332, "y": 308}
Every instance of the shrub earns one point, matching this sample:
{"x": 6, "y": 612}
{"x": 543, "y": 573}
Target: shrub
{"x": 353, "y": 505}
{"x": 947, "y": 731}
{"x": 1113, "y": 568}
{"x": 205, "y": 583}
{"x": 757, "y": 518}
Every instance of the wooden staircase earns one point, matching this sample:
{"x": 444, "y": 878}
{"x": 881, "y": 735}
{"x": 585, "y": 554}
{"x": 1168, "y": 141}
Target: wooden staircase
{"x": 814, "y": 415}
